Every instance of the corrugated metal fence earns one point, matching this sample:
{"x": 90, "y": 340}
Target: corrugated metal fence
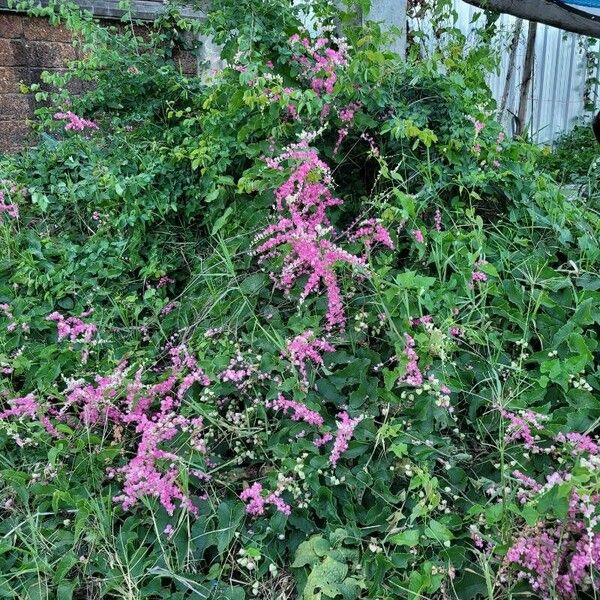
{"x": 564, "y": 62}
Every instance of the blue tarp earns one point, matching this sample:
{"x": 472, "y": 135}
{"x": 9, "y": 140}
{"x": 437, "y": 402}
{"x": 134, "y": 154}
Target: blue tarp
{"x": 592, "y": 3}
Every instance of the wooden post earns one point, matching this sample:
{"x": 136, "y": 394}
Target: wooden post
{"x": 510, "y": 73}
{"x": 526, "y": 78}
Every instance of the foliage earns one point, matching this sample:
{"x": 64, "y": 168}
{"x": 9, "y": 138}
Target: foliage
{"x": 573, "y": 155}
{"x": 309, "y": 326}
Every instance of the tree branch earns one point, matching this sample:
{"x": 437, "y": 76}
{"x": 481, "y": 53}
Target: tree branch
{"x": 549, "y": 12}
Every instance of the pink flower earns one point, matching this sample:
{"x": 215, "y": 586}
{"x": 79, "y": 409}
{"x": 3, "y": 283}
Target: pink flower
{"x": 11, "y": 209}
{"x": 425, "y": 319}
{"x": 73, "y": 328}
{"x": 342, "y": 134}
{"x": 256, "y": 502}
{"x": 418, "y": 236}
{"x": 299, "y": 411}
{"x": 319, "y": 63}
{"x": 306, "y": 348}
{"x": 279, "y": 504}
{"x": 292, "y": 112}
{"x": 322, "y": 440}
{"x": 74, "y": 122}
{"x": 144, "y": 475}
{"x": 558, "y": 559}
{"x": 478, "y": 276}
{"x": 164, "y": 280}
{"x": 581, "y": 443}
{"x": 371, "y": 231}
{"x": 168, "y": 308}
{"x": 438, "y": 219}
{"x": 368, "y": 138}
{"x": 300, "y": 238}
{"x": 520, "y": 427}
{"x": 25, "y": 406}
{"x": 344, "y": 433}
{"x": 413, "y": 375}
{"x": 479, "y": 125}
{"x": 347, "y": 113}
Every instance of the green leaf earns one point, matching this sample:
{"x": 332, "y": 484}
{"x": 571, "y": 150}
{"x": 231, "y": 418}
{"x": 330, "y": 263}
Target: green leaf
{"x": 66, "y": 563}
{"x": 409, "y": 280}
{"x": 309, "y": 552}
{"x": 221, "y": 220}
{"x": 253, "y": 283}
{"x": 437, "y": 531}
{"x": 327, "y": 578}
{"x": 410, "y": 538}
{"x": 230, "y": 515}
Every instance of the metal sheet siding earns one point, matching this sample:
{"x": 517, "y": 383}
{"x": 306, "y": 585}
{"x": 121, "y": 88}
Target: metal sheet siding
{"x": 556, "y": 98}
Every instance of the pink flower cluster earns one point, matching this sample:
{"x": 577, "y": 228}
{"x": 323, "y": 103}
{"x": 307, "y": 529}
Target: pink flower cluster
{"x": 479, "y": 126}
{"x": 28, "y": 406}
{"x": 346, "y": 114}
{"x": 74, "y": 122}
{"x": 76, "y": 330}
{"x": 306, "y": 348}
{"x": 7, "y": 311}
{"x": 424, "y": 320}
{"x": 413, "y": 375}
{"x": 239, "y": 372}
{"x": 344, "y": 433}
{"x": 300, "y": 412}
{"x": 25, "y": 406}
{"x": 300, "y": 238}
{"x": 152, "y": 471}
{"x": 73, "y": 328}
{"x": 11, "y": 209}
{"x": 319, "y": 61}
{"x": 369, "y": 139}
{"x": 559, "y": 558}
{"x": 168, "y": 308}
{"x": 581, "y": 443}
{"x": 150, "y": 410}
{"x": 143, "y": 475}
{"x": 96, "y": 403}
{"x": 418, "y": 236}
{"x": 556, "y": 557}
{"x": 164, "y": 280}
{"x": 183, "y": 360}
{"x": 478, "y": 276}
{"x": 323, "y": 439}
{"x": 520, "y": 427}
{"x": 256, "y": 502}
{"x": 437, "y": 219}
{"x": 371, "y": 231}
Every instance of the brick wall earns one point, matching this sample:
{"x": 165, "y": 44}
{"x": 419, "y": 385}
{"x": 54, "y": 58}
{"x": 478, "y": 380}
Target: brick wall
{"x": 28, "y": 46}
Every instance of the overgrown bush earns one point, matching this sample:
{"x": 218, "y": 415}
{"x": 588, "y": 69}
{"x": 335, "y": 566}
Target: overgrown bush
{"x": 309, "y": 326}
{"x": 573, "y": 154}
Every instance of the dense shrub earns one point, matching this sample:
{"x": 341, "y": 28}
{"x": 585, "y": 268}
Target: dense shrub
{"x": 573, "y": 154}
{"x": 308, "y": 326}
